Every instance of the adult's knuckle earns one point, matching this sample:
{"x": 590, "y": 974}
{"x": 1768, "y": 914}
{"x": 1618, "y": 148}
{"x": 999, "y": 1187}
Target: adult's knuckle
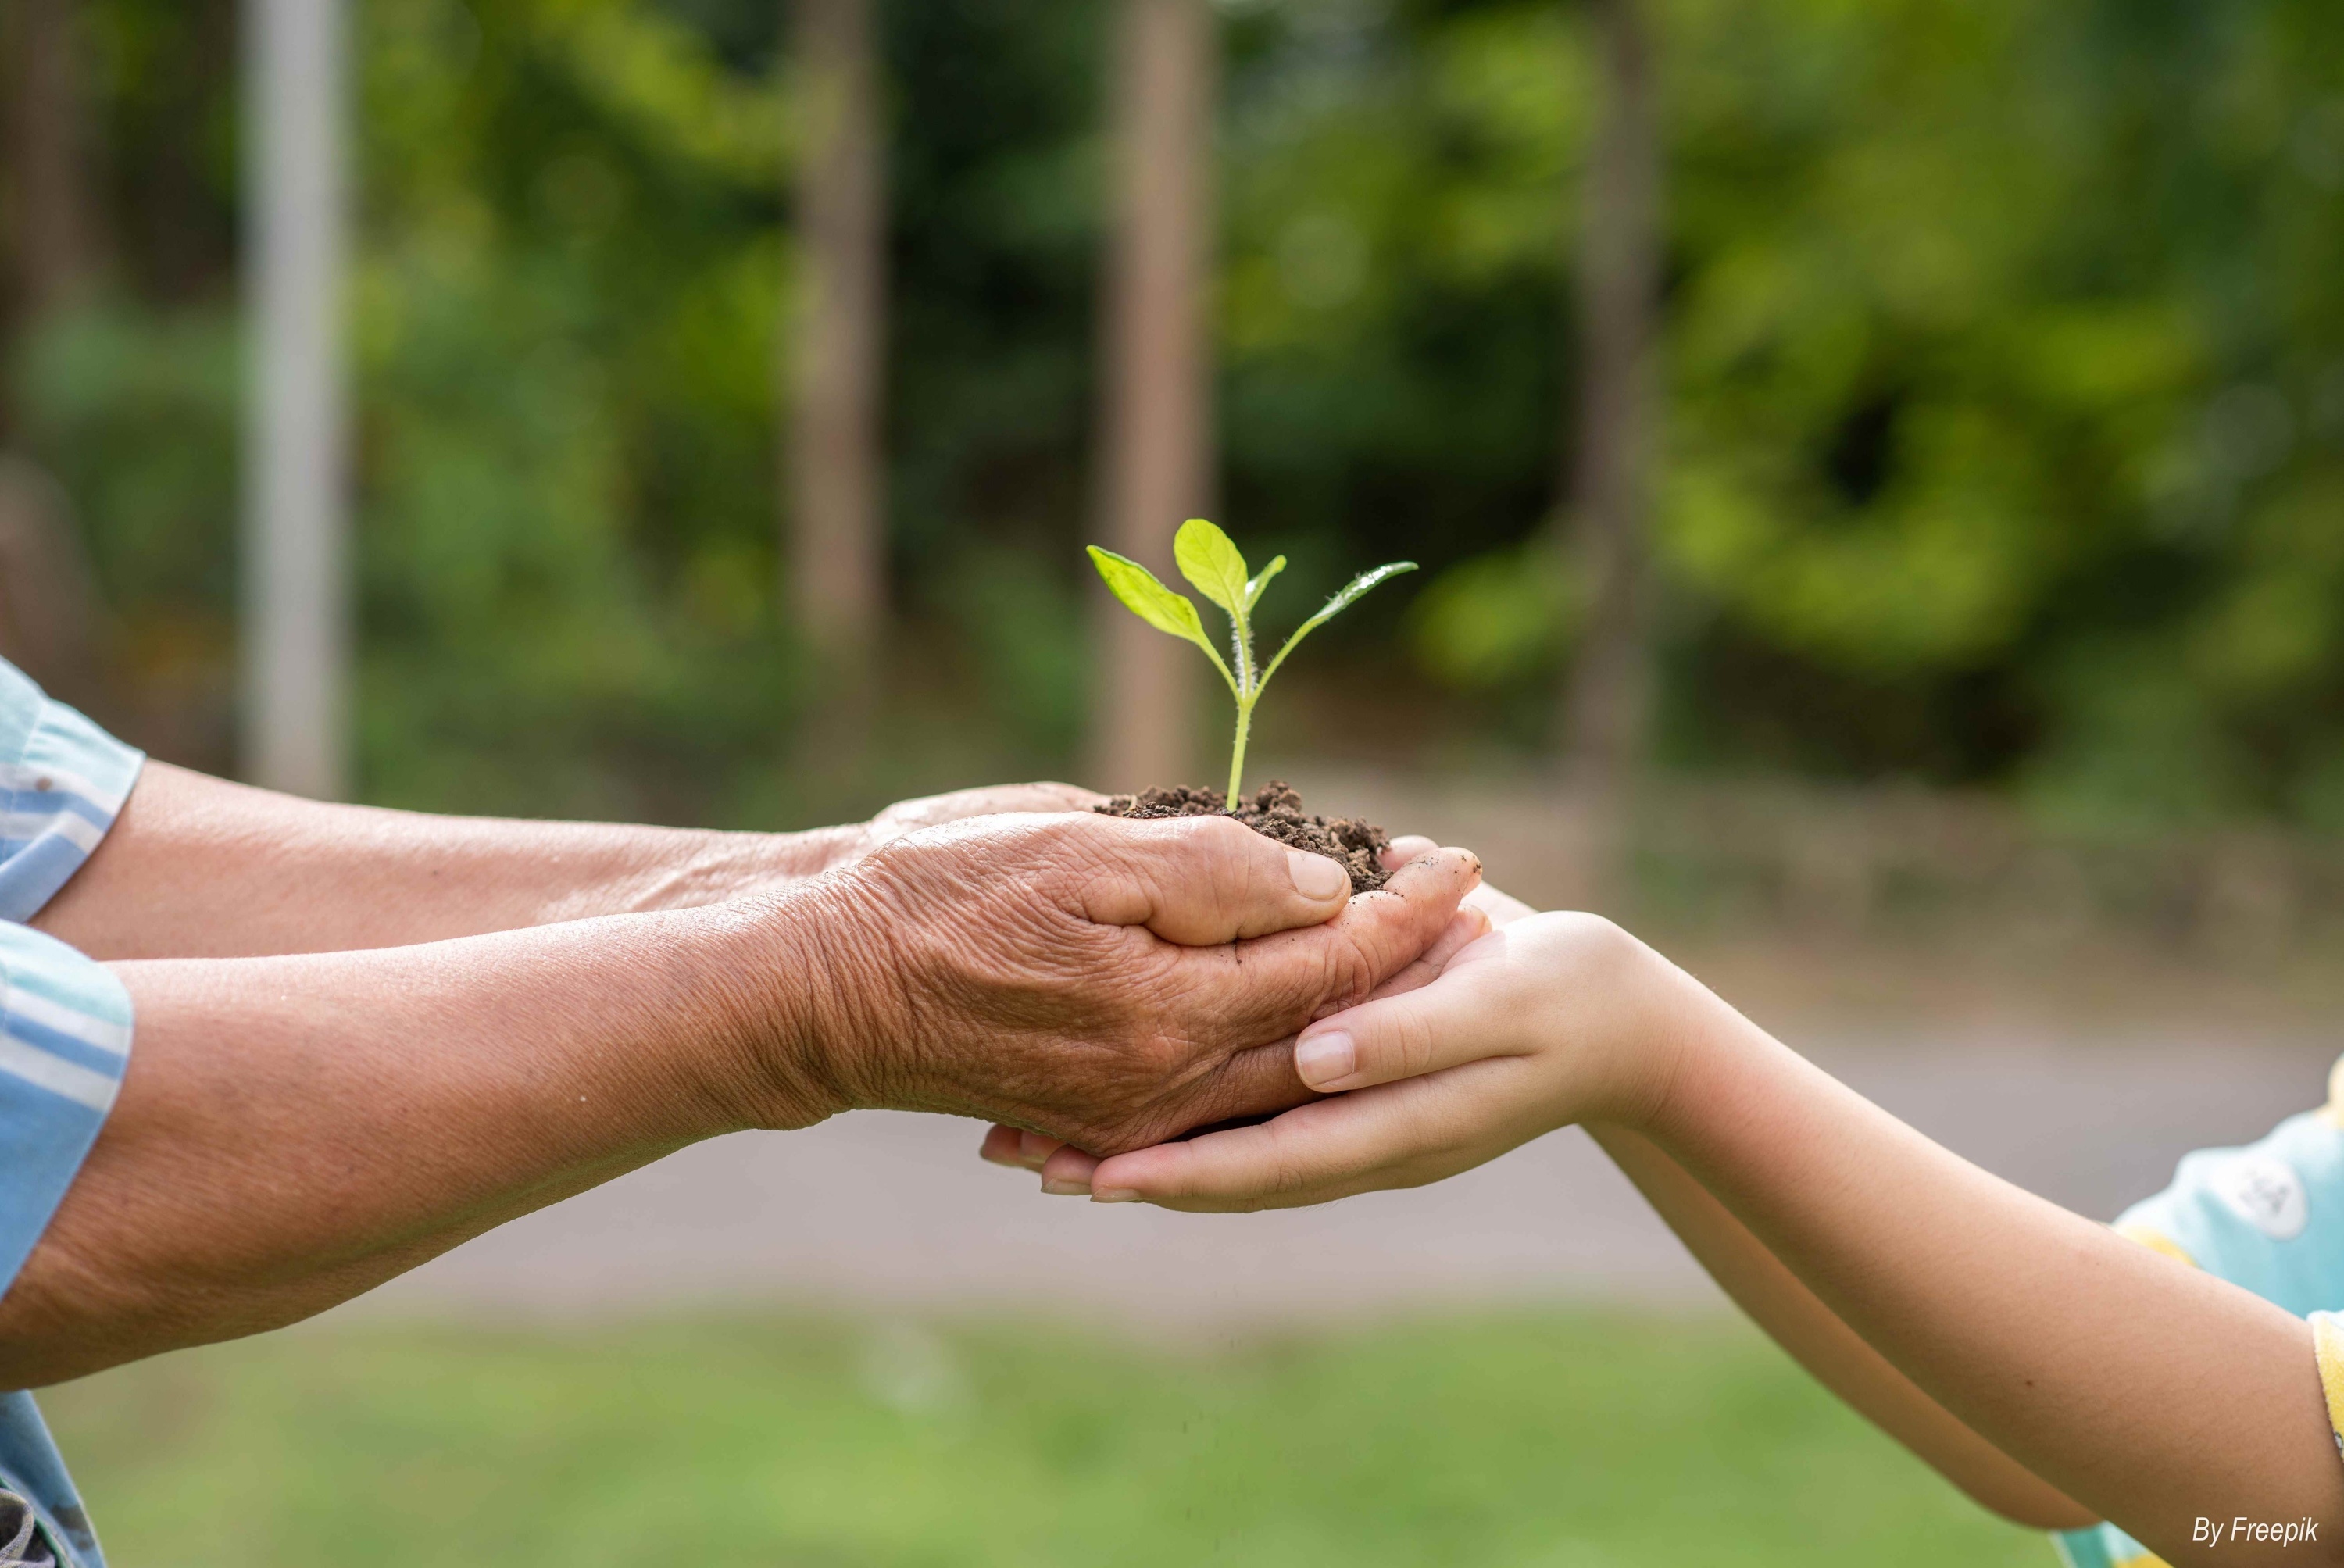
{"x": 1347, "y": 973}
{"x": 1213, "y": 847}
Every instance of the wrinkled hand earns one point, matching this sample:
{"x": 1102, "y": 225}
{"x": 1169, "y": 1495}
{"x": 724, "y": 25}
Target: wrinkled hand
{"x": 1105, "y": 982}
{"x": 907, "y": 817}
{"x": 1067, "y": 1172}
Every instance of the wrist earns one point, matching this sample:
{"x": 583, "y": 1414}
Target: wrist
{"x": 1615, "y": 1019}
{"x": 1704, "y": 1052}
{"x": 779, "y": 966}
{"x": 746, "y": 864}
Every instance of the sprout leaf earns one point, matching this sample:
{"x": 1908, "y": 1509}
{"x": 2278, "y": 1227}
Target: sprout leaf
{"x": 1208, "y": 559}
{"x": 1148, "y": 598}
{"x": 1342, "y": 600}
{"x": 1253, "y": 589}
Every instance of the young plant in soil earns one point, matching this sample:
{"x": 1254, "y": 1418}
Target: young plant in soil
{"x": 1209, "y": 560}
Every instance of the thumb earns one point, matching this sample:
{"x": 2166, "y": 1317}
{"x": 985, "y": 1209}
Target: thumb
{"x": 1201, "y": 881}
{"x": 1454, "y": 1019}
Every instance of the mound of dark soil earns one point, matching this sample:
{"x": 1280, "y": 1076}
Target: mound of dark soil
{"x": 1274, "y": 811}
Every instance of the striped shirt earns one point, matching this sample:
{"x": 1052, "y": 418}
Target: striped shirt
{"x": 64, "y": 1033}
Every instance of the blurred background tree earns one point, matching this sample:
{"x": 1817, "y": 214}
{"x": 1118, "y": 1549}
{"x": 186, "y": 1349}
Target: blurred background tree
{"x": 2002, "y": 364}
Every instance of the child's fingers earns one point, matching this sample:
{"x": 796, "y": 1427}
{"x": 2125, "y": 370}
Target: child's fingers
{"x": 1016, "y": 1147}
{"x": 1067, "y": 1173}
{"x": 1422, "y": 1030}
{"x": 1465, "y": 927}
{"x": 1397, "y": 1134}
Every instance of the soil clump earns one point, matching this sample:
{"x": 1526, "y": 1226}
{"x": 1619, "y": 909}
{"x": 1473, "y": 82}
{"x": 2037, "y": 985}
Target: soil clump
{"x": 1274, "y": 811}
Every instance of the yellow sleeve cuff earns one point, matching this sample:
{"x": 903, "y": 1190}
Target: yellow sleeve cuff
{"x": 2328, "y": 1344}
{"x": 2156, "y": 1241}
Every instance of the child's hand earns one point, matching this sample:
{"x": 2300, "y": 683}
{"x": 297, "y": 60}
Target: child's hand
{"x": 1555, "y": 1020}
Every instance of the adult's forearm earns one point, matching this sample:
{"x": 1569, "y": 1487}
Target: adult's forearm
{"x": 294, "y": 1131}
{"x": 1838, "y": 1357}
{"x": 197, "y": 867}
{"x": 2150, "y": 1393}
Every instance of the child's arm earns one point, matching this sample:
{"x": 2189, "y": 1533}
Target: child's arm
{"x": 1806, "y": 1329}
{"x": 2152, "y": 1394}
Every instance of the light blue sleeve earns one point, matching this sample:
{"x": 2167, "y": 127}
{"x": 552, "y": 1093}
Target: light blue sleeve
{"x": 65, "y": 1040}
{"x": 65, "y": 1020}
{"x": 2267, "y": 1216}
{"x": 62, "y": 781}
{"x": 65, "y": 1032}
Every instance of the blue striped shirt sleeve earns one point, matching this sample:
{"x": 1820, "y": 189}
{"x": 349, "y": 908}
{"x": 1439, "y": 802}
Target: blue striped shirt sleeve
{"x": 65, "y": 1020}
{"x": 65, "y": 1040}
{"x": 62, "y": 781}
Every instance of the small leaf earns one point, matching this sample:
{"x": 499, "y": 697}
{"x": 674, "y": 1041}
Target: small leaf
{"x": 1208, "y": 559}
{"x": 1148, "y": 598}
{"x": 1253, "y": 589}
{"x": 1342, "y": 600}
{"x": 1144, "y": 596}
{"x": 1357, "y": 588}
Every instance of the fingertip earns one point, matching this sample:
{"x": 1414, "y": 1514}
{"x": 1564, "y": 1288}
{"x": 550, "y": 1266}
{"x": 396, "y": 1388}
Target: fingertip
{"x": 1074, "y": 797}
{"x": 1001, "y": 1147}
{"x": 1067, "y": 1172}
{"x": 1443, "y": 871}
{"x": 1325, "y": 1058}
{"x": 1408, "y": 847}
{"x": 1317, "y": 878}
{"x": 1137, "y": 1177}
{"x": 1034, "y": 1150}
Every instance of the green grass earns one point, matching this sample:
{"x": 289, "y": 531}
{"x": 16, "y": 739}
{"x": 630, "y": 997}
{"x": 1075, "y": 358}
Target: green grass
{"x": 1555, "y": 1441}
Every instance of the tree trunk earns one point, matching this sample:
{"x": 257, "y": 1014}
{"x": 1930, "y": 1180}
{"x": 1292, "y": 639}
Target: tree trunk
{"x": 295, "y": 636}
{"x": 1606, "y": 697}
{"x": 47, "y": 129}
{"x": 1158, "y": 467}
{"x": 838, "y": 531}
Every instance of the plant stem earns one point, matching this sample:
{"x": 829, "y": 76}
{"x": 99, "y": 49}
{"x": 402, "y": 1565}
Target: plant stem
{"x": 1236, "y": 757}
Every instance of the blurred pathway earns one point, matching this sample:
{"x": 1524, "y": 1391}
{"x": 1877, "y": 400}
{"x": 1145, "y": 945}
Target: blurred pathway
{"x": 897, "y": 1212}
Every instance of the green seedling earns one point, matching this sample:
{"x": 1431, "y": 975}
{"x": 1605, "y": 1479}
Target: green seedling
{"x": 1208, "y": 559}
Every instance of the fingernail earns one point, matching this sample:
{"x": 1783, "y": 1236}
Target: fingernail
{"x": 1032, "y": 1148}
{"x": 1325, "y": 1058}
{"x": 1059, "y": 1187}
{"x": 1113, "y": 1195}
{"x": 1316, "y": 877}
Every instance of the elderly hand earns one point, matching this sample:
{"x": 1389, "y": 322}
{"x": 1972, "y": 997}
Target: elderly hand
{"x": 1066, "y": 1171}
{"x": 906, "y": 816}
{"x": 1106, "y": 982}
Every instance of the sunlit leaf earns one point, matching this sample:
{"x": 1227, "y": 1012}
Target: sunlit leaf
{"x": 1206, "y": 558}
{"x": 1253, "y": 589}
{"x": 1147, "y": 597}
{"x": 1342, "y": 600}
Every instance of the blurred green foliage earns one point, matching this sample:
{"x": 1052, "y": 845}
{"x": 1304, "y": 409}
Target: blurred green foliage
{"x": 2005, "y": 373}
{"x": 1556, "y": 1441}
